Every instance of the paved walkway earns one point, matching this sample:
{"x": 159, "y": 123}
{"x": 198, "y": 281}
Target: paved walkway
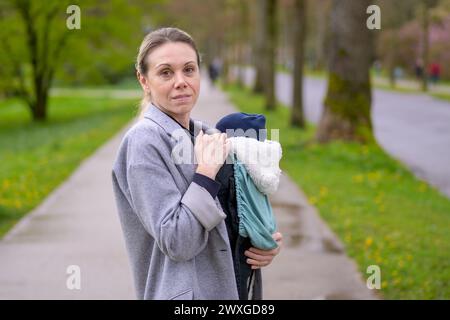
{"x": 78, "y": 225}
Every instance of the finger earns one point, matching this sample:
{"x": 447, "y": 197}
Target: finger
{"x": 258, "y": 257}
{"x": 277, "y": 236}
{"x": 227, "y": 147}
{"x": 216, "y": 136}
{"x": 258, "y": 263}
{"x": 199, "y": 136}
{"x": 255, "y": 267}
{"x": 272, "y": 252}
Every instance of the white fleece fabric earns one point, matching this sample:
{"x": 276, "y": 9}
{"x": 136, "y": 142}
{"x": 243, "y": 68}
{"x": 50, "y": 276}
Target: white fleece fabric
{"x": 261, "y": 159}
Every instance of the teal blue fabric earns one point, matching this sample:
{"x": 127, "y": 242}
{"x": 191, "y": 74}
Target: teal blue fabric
{"x": 256, "y": 219}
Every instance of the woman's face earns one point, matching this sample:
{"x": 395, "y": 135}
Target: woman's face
{"x": 173, "y": 79}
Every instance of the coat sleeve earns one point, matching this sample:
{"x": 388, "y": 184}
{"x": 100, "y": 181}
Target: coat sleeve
{"x": 179, "y": 223}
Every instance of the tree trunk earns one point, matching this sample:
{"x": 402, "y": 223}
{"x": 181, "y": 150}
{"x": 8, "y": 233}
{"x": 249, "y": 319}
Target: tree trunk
{"x": 425, "y": 41}
{"x": 259, "y": 45}
{"x": 270, "y": 58}
{"x": 39, "y": 108}
{"x": 347, "y": 104}
{"x": 392, "y": 78}
{"x": 38, "y": 53}
{"x": 299, "y": 26}
{"x": 244, "y": 38}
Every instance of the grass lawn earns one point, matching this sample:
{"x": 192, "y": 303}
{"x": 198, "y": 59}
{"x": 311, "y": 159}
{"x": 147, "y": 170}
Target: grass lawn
{"x": 442, "y": 96}
{"x": 37, "y": 157}
{"x": 383, "y": 214}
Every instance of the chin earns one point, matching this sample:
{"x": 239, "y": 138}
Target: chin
{"x": 182, "y": 108}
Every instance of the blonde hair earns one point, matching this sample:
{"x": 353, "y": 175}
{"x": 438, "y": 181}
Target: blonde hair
{"x": 154, "y": 40}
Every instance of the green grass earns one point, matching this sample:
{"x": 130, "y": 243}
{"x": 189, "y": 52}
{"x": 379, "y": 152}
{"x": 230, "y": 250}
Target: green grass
{"x": 383, "y": 214}
{"x": 37, "y": 157}
{"x": 442, "y": 96}
{"x": 386, "y": 87}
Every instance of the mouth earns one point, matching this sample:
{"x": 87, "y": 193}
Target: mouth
{"x": 181, "y": 97}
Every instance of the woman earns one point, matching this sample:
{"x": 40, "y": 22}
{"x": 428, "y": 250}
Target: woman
{"x": 173, "y": 224}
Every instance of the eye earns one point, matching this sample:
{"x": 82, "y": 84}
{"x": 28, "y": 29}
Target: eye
{"x": 165, "y": 73}
{"x": 190, "y": 69}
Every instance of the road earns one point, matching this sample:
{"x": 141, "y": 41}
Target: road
{"x": 413, "y": 128}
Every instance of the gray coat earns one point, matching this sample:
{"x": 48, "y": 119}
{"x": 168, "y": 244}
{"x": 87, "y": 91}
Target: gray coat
{"x": 174, "y": 230}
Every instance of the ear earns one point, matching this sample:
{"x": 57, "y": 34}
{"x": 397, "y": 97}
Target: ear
{"x": 143, "y": 81}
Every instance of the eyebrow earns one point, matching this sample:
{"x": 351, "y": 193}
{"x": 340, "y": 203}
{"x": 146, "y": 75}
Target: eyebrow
{"x": 167, "y": 64}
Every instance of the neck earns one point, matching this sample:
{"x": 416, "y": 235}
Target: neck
{"x": 182, "y": 119}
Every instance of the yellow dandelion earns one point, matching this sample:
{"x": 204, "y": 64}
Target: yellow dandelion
{"x": 17, "y": 204}
{"x": 369, "y": 241}
{"x": 358, "y": 178}
{"x": 6, "y": 184}
{"x": 374, "y": 176}
{"x": 379, "y": 198}
{"x": 323, "y": 191}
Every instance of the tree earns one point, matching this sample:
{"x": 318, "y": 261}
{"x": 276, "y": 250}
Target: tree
{"x": 42, "y": 46}
{"x": 299, "y": 26}
{"x": 426, "y": 6}
{"x": 270, "y": 57}
{"x": 260, "y": 43}
{"x": 265, "y": 50}
{"x": 38, "y": 45}
{"x": 346, "y": 113}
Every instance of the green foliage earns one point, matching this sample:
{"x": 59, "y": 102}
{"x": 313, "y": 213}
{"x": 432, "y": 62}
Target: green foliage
{"x": 102, "y": 51}
{"x": 37, "y": 157}
{"x": 384, "y": 215}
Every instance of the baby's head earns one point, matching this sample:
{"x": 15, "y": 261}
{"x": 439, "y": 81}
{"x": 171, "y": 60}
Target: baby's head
{"x": 241, "y": 124}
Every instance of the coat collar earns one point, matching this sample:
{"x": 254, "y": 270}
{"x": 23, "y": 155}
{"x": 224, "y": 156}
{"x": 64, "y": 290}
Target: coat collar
{"x": 170, "y": 125}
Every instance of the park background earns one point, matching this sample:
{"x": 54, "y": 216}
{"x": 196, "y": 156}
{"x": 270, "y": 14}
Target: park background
{"x": 364, "y": 115}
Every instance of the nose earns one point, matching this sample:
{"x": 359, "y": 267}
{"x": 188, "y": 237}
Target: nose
{"x": 180, "y": 81}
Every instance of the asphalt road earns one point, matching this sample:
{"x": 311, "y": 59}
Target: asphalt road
{"x": 413, "y": 128}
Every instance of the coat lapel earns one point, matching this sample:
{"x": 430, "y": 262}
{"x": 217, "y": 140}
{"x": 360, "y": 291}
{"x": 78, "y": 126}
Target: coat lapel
{"x": 176, "y": 132}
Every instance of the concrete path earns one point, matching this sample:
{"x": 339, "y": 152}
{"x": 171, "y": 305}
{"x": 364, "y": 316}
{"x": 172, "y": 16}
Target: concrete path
{"x": 78, "y": 225}
{"x": 413, "y": 128}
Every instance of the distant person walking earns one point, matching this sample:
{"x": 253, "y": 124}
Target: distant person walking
{"x": 214, "y": 71}
{"x": 435, "y": 72}
{"x": 418, "y": 69}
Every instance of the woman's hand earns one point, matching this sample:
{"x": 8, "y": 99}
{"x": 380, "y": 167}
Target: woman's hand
{"x": 211, "y": 152}
{"x": 258, "y": 258}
